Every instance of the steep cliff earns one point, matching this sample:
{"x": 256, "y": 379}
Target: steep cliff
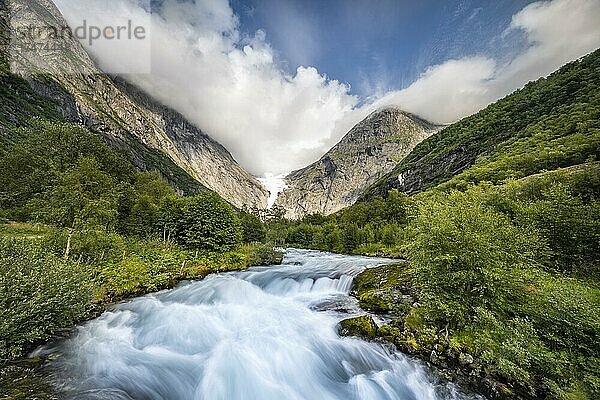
{"x": 157, "y": 137}
{"x": 368, "y": 151}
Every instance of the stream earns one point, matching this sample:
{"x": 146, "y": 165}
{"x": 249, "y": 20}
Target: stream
{"x": 264, "y": 333}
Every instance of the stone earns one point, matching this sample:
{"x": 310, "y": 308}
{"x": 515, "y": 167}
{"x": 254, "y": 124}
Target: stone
{"x": 465, "y": 359}
{"x": 433, "y": 357}
{"x": 363, "y": 327}
{"x": 128, "y": 117}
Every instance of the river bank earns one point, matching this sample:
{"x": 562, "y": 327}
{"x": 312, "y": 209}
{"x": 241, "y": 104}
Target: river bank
{"x": 143, "y": 267}
{"x": 389, "y": 295}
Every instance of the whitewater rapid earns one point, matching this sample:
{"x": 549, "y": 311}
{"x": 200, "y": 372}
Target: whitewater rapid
{"x": 265, "y": 333}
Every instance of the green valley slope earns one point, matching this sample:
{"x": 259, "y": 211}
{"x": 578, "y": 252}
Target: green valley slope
{"x": 550, "y": 123}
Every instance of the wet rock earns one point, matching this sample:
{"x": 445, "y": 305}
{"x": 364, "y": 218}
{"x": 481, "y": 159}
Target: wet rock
{"x": 363, "y": 327}
{"x": 433, "y": 357}
{"x": 465, "y": 359}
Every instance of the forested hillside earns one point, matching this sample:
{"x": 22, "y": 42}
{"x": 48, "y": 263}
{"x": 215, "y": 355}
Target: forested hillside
{"x": 551, "y": 123}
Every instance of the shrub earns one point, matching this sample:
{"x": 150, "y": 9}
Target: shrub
{"x": 39, "y": 294}
{"x": 463, "y": 252}
{"x": 253, "y": 230}
{"x": 204, "y": 221}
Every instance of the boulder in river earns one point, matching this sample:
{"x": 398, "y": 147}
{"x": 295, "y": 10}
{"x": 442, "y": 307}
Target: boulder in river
{"x": 363, "y": 327}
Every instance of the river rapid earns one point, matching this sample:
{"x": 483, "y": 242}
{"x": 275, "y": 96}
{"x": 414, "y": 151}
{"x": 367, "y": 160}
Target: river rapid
{"x": 264, "y": 333}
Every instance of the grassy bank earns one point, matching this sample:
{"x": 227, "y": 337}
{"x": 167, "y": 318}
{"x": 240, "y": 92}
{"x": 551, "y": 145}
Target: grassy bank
{"x": 42, "y": 293}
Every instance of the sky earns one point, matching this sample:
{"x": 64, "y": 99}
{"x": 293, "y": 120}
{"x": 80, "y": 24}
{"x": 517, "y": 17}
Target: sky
{"x": 278, "y": 82}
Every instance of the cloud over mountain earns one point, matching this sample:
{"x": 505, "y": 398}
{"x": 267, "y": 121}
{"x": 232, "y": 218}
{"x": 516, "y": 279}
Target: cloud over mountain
{"x": 233, "y": 86}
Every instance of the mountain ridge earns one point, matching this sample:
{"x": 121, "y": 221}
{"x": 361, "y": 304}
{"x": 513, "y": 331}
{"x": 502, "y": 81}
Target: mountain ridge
{"x": 507, "y": 123}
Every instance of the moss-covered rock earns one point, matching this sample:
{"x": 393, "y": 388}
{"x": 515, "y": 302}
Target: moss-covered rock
{"x": 363, "y": 327}
{"x": 385, "y": 289}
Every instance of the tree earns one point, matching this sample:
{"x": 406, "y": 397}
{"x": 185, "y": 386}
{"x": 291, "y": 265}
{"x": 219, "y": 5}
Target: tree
{"x": 253, "y": 230}
{"x": 351, "y": 237}
{"x": 464, "y": 253}
{"x": 82, "y": 197}
{"x": 205, "y": 221}
{"x": 140, "y": 203}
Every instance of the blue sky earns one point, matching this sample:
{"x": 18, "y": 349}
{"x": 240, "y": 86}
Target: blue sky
{"x": 380, "y": 45}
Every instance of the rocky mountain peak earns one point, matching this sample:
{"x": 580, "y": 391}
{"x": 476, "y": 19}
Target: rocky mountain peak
{"x": 368, "y": 151}
{"x": 152, "y": 133}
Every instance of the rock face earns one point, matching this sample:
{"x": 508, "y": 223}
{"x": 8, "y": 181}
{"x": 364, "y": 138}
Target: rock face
{"x": 125, "y": 115}
{"x": 370, "y": 150}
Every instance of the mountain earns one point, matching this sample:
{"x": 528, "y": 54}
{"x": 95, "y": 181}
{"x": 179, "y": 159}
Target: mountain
{"x": 548, "y": 124}
{"x": 157, "y": 137}
{"x": 368, "y": 151}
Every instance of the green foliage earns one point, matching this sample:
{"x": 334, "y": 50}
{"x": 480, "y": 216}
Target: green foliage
{"x": 19, "y": 103}
{"x": 204, "y": 221}
{"x": 511, "y": 271}
{"x": 463, "y": 252}
{"x": 139, "y": 211}
{"x": 42, "y": 158}
{"x": 81, "y": 197}
{"x": 266, "y": 255}
{"x": 109, "y": 235}
{"x": 372, "y": 228}
{"x": 551, "y": 123}
{"x": 253, "y": 230}
{"x": 39, "y": 294}
{"x": 570, "y": 226}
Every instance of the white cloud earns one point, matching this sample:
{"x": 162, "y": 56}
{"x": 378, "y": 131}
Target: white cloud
{"x": 557, "y": 32}
{"x": 232, "y": 87}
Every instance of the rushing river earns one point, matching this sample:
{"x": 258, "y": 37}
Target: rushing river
{"x": 265, "y": 333}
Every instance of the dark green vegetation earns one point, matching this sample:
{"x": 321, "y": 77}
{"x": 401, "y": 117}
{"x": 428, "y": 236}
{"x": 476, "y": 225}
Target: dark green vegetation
{"x": 88, "y": 229}
{"x": 502, "y": 238}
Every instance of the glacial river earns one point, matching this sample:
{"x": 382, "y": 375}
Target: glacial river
{"x": 264, "y": 333}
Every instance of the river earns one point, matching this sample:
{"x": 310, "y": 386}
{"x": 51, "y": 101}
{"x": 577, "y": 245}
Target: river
{"x": 264, "y": 333}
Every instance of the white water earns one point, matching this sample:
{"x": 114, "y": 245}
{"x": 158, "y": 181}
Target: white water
{"x": 266, "y": 333}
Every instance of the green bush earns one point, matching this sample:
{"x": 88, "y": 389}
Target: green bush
{"x": 253, "y": 230}
{"x": 140, "y": 204}
{"x": 464, "y": 252}
{"x": 204, "y": 221}
{"x": 39, "y": 294}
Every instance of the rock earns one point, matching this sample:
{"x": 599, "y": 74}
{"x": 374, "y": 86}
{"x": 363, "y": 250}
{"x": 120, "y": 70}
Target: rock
{"x": 416, "y": 305}
{"x": 363, "y": 327}
{"x": 465, "y": 359}
{"x": 433, "y": 357}
{"x": 371, "y": 149}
